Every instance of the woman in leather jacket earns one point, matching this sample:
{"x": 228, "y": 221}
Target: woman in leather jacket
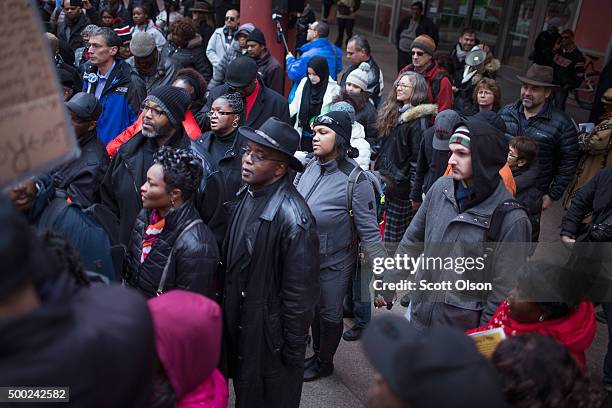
{"x": 170, "y": 246}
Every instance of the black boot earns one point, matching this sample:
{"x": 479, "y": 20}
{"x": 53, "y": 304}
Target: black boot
{"x": 315, "y": 328}
{"x": 323, "y": 366}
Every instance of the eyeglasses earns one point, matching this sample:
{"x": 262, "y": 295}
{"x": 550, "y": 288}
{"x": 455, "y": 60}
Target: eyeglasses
{"x": 211, "y": 113}
{"x": 230, "y": 18}
{"x": 256, "y": 157}
{"x": 157, "y": 112}
{"x": 403, "y": 86}
{"x": 325, "y": 120}
{"x": 418, "y": 53}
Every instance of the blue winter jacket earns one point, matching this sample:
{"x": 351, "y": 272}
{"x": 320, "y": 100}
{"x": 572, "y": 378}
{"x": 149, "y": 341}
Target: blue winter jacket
{"x": 298, "y": 68}
{"x": 121, "y": 98}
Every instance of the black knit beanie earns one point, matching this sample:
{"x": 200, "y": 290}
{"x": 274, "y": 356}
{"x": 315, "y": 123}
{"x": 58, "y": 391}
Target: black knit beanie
{"x": 340, "y": 123}
{"x": 172, "y": 100}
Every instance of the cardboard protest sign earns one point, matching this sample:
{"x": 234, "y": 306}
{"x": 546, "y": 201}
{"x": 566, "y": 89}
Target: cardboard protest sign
{"x": 488, "y": 340}
{"x": 34, "y": 131}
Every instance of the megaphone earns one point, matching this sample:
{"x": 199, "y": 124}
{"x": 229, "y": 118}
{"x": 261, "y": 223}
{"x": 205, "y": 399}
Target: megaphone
{"x": 475, "y": 57}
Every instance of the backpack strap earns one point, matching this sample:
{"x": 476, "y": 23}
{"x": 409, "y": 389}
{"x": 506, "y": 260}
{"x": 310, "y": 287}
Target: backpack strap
{"x": 435, "y": 85}
{"x": 497, "y": 218}
{"x": 162, "y": 281}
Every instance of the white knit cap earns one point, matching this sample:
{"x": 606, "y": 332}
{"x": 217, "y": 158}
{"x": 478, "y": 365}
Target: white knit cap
{"x": 359, "y": 76}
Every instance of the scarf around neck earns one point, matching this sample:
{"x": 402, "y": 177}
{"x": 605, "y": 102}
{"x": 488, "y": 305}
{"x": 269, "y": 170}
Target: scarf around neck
{"x": 151, "y": 234}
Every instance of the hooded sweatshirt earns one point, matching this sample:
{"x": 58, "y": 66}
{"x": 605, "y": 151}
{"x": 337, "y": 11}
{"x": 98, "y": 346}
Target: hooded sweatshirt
{"x": 489, "y": 152}
{"x": 188, "y": 343}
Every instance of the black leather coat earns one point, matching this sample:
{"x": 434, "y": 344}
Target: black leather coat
{"x": 195, "y": 258}
{"x": 556, "y": 134}
{"x": 268, "y": 315}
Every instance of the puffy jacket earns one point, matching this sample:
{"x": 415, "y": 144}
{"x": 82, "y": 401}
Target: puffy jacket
{"x": 271, "y": 72}
{"x": 557, "y": 140}
{"x": 297, "y": 68}
{"x": 192, "y": 258}
{"x": 192, "y": 56}
{"x": 217, "y": 46}
{"x": 399, "y": 150}
{"x": 164, "y": 73}
{"x": 121, "y": 98}
{"x": 324, "y": 187}
{"x": 331, "y": 91}
{"x": 358, "y": 141}
{"x": 267, "y": 316}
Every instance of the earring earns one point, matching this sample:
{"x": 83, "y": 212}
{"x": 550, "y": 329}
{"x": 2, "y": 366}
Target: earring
{"x": 235, "y": 123}
{"x": 541, "y": 318}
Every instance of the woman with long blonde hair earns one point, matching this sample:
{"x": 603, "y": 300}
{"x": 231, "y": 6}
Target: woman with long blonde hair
{"x": 402, "y": 119}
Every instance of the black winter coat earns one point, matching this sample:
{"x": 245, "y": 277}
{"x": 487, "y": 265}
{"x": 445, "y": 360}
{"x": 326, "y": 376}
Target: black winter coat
{"x": 267, "y": 104}
{"x": 269, "y": 296}
{"x": 271, "y": 72}
{"x": 106, "y": 329}
{"x": 594, "y": 197}
{"x": 528, "y": 194}
{"x": 194, "y": 263}
{"x": 73, "y": 39}
{"x": 556, "y": 134}
{"x": 367, "y": 117}
{"x": 431, "y": 165}
{"x": 399, "y": 150}
{"x": 81, "y": 177}
{"x": 193, "y": 56}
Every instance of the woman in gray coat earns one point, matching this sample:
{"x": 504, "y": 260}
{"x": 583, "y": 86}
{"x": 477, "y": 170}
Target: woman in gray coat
{"x": 326, "y": 184}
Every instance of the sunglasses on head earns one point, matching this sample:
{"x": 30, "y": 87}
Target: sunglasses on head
{"x": 418, "y": 53}
{"x": 325, "y": 120}
{"x": 230, "y": 18}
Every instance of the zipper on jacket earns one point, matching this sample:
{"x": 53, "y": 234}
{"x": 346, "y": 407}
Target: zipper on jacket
{"x": 314, "y": 186}
{"x": 131, "y": 174}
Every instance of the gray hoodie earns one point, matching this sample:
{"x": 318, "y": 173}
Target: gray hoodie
{"x": 324, "y": 186}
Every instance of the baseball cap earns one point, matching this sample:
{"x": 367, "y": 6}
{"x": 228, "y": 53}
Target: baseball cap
{"x": 438, "y": 367}
{"x": 85, "y": 106}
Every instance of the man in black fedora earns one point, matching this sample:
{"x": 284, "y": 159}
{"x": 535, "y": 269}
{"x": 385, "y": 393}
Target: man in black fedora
{"x": 271, "y": 254}
{"x": 556, "y": 133}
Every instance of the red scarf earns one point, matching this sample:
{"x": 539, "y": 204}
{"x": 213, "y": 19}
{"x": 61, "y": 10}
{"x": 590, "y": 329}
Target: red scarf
{"x": 250, "y": 100}
{"x": 151, "y": 234}
{"x": 575, "y": 331}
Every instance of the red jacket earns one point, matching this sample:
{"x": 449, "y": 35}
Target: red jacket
{"x": 444, "y": 99}
{"x": 189, "y": 124}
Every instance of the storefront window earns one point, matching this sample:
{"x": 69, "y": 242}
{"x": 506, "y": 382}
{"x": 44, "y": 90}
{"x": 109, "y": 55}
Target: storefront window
{"x": 487, "y": 20}
{"x": 516, "y": 47}
{"x": 450, "y": 17}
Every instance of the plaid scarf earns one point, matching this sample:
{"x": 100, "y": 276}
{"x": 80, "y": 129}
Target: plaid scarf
{"x": 151, "y": 234}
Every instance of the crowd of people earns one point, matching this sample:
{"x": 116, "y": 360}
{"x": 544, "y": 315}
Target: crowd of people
{"x": 213, "y": 228}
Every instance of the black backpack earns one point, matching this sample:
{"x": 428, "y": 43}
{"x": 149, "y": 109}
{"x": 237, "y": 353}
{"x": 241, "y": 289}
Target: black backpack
{"x": 379, "y": 194}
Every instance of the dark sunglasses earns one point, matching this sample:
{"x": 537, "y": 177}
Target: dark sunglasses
{"x": 325, "y": 120}
{"x": 230, "y": 18}
{"x": 418, "y": 53}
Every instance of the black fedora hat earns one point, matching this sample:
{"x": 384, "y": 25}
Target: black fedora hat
{"x": 276, "y": 135}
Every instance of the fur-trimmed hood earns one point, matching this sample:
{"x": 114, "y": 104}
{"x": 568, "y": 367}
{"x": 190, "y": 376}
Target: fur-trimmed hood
{"x": 419, "y": 111}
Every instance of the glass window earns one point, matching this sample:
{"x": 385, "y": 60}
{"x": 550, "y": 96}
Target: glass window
{"x": 450, "y": 16}
{"x": 518, "y": 35}
{"x": 487, "y": 19}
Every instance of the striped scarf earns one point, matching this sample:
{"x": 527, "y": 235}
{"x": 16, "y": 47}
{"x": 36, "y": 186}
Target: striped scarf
{"x": 151, "y": 234}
